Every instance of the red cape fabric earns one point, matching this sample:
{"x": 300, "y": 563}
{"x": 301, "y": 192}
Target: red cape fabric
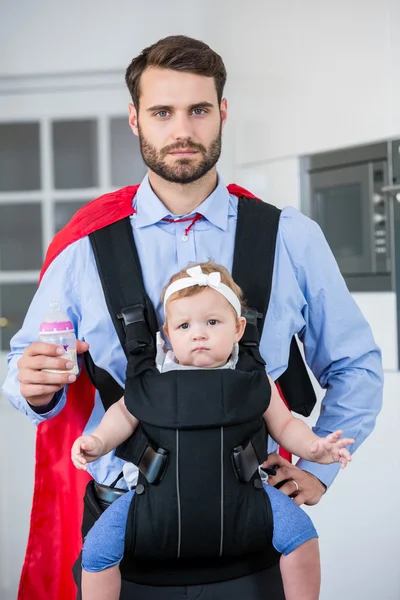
{"x": 54, "y": 540}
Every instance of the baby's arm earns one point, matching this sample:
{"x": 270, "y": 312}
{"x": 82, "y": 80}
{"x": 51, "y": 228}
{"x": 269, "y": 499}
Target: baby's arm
{"x": 115, "y": 427}
{"x": 296, "y": 437}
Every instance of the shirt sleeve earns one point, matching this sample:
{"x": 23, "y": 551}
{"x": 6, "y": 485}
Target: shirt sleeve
{"x": 338, "y": 343}
{"x": 57, "y": 283}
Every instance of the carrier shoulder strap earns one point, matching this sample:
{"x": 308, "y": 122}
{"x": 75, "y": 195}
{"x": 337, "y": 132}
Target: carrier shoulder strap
{"x": 253, "y": 265}
{"x": 129, "y": 306}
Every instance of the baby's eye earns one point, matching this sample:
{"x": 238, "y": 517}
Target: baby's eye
{"x": 212, "y": 321}
{"x": 184, "y": 326}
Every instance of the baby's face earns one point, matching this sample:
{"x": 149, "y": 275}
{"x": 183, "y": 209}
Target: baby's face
{"x": 203, "y": 329}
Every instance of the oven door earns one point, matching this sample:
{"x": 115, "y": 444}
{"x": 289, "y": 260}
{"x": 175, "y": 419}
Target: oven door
{"x": 350, "y": 212}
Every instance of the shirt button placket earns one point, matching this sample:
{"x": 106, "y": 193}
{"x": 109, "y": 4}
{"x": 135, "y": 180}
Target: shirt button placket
{"x": 182, "y": 245}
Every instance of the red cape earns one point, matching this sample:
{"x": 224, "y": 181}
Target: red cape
{"x": 54, "y": 538}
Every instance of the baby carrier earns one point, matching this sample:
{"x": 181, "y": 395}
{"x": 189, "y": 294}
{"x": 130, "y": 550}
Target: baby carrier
{"x": 199, "y": 514}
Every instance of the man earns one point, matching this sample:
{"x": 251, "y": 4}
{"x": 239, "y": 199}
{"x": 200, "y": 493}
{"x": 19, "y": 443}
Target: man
{"x": 184, "y": 213}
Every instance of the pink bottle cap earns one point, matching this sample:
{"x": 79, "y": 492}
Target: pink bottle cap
{"x": 56, "y": 320}
{"x": 56, "y": 326}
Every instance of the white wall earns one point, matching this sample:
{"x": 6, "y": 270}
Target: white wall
{"x": 311, "y": 75}
{"x": 358, "y": 520}
{"x": 17, "y": 451}
{"x": 52, "y": 36}
{"x": 302, "y": 77}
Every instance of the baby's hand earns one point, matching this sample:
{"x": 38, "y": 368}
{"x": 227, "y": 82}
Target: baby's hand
{"x": 86, "y": 449}
{"x": 331, "y": 449}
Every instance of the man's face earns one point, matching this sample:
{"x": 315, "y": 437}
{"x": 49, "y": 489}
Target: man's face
{"x": 179, "y": 124}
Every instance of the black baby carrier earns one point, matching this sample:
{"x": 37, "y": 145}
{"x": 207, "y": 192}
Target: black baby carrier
{"x": 199, "y": 514}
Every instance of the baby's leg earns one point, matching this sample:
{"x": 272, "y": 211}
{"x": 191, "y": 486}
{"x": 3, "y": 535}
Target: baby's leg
{"x": 301, "y": 573}
{"x": 295, "y": 537}
{"x": 103, "y": 585}
{"x": 103, "y": 550}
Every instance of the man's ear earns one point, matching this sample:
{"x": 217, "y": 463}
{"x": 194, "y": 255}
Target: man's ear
{"x": 223, "y": 109}
{"x": 133, "y": 119}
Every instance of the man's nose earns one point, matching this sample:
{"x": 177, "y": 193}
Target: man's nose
{"x": 183, "y": 129}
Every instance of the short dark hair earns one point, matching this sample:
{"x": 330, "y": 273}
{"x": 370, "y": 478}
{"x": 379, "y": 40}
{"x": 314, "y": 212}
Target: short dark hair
{"x": 180, "y": 53}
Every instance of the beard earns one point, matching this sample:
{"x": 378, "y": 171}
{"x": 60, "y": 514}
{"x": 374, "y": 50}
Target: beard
{"x": 184, "y": 170}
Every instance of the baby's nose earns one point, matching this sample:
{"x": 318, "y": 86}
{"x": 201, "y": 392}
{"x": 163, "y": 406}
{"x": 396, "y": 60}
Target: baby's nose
{"x": 199, "y": 334}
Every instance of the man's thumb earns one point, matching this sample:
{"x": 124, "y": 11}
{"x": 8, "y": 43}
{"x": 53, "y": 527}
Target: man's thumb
{"x": 81, "y": 346}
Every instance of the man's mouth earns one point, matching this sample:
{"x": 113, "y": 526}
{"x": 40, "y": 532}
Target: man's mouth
{"x": 183, "y": 153}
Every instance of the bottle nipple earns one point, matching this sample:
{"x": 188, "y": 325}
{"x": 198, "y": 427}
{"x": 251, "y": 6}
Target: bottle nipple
{"x": 54, "y": 305}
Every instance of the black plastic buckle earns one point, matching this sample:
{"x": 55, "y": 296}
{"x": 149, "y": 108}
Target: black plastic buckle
{"x": 245, "y": 462}
{"x": 136, "y": 329}
{"x": 251, "y": 335}
{"x": 252, "y": 316}
{"x": 132, "y": 314}
{"x": 153, "y": 464}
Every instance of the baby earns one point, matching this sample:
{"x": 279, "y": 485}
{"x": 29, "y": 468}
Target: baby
{"x": 204, "y": 324}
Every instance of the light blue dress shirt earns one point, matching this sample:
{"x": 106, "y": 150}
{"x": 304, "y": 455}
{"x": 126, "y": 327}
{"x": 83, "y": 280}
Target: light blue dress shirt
{"x": 308, "y": 298}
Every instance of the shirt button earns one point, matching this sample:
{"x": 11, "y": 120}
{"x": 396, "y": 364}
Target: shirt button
{"x": 184, "y": 238}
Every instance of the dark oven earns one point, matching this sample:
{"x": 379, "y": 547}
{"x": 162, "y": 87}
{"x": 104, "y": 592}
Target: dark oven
{"x": 354, "y": 195}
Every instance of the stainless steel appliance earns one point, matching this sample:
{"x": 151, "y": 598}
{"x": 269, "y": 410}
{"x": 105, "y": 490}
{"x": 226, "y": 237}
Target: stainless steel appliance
{"x": 354, "y": 195}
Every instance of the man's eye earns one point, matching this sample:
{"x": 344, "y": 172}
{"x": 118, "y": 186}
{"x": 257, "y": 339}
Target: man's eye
{"x": 184, "y": 326}
{"x": 162, "y": 114}
{"x": 199, "y": 111}
{"x": 212, "y": 321}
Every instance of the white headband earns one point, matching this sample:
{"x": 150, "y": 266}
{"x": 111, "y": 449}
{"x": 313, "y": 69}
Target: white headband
{"x": 197, "y": 277}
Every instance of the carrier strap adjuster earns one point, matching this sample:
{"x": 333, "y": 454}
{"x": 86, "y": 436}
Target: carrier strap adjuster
{"x": 250, "y": 341}
{"x": 140, "y": 450}
{"x": 153, "y": 464}
{"x": 252, "y": 316}
{"x": 138, "y": 336}
{"x": 132, "y": 314}
{"x": 245, "y": 462}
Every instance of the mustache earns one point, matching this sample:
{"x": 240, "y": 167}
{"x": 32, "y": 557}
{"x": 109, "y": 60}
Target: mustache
{"x": 188, "y": 145}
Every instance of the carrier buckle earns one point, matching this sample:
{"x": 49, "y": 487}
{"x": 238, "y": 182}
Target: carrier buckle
{"x": 153, "y": 464}
{"x": 252, "y": 316}
{"x": 250, "y": 341}
{"x": 132, "y": 314}
{"x": 138, "y": 336}
{"x": 245, "y": 462}
{"x": 251, "y": 336}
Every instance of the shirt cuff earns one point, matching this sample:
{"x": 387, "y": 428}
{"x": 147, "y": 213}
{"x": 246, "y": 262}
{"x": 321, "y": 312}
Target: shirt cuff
{"x": 325, "y": 473}
{"x": 47, "y": 408}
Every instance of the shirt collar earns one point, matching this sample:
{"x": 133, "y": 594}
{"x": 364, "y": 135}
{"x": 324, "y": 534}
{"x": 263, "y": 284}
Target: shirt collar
{"x": 150, "y": 209}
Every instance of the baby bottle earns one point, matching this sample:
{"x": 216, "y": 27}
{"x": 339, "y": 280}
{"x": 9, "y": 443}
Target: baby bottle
{"x": 57, "y": 329}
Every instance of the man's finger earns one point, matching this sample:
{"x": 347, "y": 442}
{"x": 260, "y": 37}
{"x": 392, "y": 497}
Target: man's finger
{"x": 289, "y": 488}
{"x": 41, "y": 362}
{"x": 281, "y": 474}
{"x": 41, "y": 348}
{"x": 275, "y": 459}
{"x": 81, "y": 347}
{"x": 299, "y": 499}
{"x": 31, "y": 377}
{"x": 30, "y": 392}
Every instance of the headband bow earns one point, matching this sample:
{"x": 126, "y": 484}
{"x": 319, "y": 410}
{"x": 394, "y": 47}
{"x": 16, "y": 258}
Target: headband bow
{"x": 197, "y": 277}
{"x": 200, "y": 278}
